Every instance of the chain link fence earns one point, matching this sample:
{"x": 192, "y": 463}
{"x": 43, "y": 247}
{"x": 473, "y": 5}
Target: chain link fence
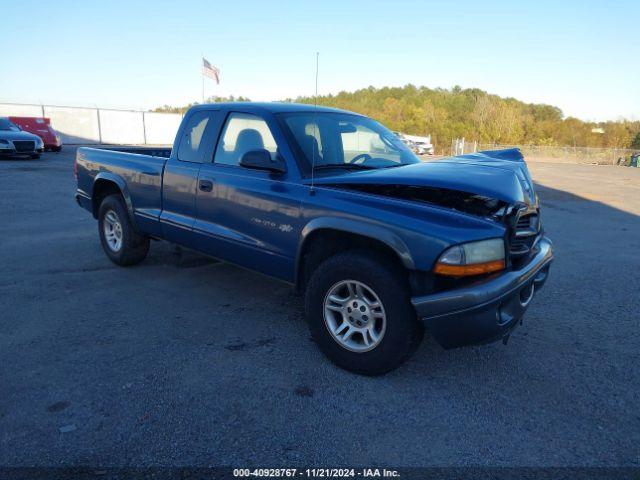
{"x": 540, "y": 153}
{"x": 93, "y": 125}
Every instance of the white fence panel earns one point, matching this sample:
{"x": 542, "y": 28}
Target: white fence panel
{"x": 75, "y": 125}
{"x": 161, "y": 128}
{"x": 88, "y": 125}
{"x": 121, "y": 127}
{"x": 17, "y": 110}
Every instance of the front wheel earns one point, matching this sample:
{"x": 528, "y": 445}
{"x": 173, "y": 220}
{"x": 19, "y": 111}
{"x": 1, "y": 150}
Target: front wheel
{"x": 359, "y": 313}
{"x": 122, "y": 244}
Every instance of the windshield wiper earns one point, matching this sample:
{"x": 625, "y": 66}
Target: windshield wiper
{"x": 346, "y": 166}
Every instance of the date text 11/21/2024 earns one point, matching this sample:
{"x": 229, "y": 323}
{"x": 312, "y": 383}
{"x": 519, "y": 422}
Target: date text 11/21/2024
{"x": 317, "y": 472}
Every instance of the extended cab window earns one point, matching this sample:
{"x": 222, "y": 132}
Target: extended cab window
{"x": 242, "y": 133}
{"x": 192, "y": 146}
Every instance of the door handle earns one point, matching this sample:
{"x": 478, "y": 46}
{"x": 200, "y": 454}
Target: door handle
{"x": 205, "y": 185}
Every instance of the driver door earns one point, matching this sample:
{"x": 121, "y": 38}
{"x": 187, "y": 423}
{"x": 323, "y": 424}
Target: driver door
{"x": 248, "y": 217}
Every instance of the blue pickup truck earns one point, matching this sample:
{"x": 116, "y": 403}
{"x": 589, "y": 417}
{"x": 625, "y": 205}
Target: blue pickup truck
{"x": 379, "y": 243}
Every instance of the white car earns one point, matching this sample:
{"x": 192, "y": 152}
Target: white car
{"x": 13, "y": 141}
{"x": 422, "y": 148}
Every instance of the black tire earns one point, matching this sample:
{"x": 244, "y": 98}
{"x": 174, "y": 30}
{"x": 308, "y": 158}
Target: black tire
{"x": 35, "y": 156}
{"x": 56, "y": 149}
{"x": 133, "y": 247}
{"x": 387, "y": 280}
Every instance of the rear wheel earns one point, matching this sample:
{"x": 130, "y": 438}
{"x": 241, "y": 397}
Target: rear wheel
{"x": 359, "y": 313}
{"x": 122, "y": 244}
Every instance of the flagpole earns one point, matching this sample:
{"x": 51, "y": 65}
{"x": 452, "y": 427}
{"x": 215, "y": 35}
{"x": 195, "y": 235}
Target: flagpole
{"x": 202, "y": 74}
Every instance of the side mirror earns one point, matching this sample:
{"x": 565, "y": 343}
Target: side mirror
{"x": 261, "y": 160}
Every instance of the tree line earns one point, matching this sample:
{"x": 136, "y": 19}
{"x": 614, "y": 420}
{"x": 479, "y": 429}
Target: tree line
{"x": 474, "y": 114}
{"x": 214, "y": 99}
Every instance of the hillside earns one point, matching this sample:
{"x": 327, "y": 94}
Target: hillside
{"x": 477, "y": 115}
{"x": 473, "y": 114}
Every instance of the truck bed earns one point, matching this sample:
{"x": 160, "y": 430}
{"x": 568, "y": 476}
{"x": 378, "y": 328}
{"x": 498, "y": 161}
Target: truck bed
{"x": 136, "y": 170}
{"x": 152, "y": 151}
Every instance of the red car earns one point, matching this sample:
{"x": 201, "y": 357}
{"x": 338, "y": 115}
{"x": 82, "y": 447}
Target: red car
{"x": 41, "y": 127}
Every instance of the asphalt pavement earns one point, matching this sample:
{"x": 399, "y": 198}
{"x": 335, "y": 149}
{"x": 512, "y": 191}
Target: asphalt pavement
{"x": 185, "y": 361}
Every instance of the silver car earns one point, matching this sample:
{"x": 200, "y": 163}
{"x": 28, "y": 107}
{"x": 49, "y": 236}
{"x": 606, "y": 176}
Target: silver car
{"x": 13, "y": 141}
{"x": 422, "y": 148}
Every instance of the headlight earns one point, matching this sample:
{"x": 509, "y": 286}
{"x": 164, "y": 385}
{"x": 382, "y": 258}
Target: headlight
{"x": 4, "y": 142}
{"x": 473, "y": 258}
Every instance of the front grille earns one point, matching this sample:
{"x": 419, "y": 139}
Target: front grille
{"x": 521, "y": 246}
{"x": 24, "y": 145}
{"x": 523, "y": 222}
{"x": 524, "y": 234}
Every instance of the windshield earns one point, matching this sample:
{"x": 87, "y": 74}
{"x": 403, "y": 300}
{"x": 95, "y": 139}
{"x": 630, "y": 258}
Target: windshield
{"x": 341, "y": 140}
{"x": 7, "y": 125}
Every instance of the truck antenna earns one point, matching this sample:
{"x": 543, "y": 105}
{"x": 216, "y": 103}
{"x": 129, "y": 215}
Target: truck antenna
{"x": 315, "y": 126}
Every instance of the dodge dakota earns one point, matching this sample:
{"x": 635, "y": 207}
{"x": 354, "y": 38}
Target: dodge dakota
{"x": 380, "y": 244}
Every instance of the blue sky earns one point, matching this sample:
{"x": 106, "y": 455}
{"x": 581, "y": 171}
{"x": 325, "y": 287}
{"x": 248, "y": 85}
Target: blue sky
{"x": 582, "y": 56}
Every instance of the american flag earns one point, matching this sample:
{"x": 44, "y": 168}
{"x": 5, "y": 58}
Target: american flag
{"x": 210, "y": 71}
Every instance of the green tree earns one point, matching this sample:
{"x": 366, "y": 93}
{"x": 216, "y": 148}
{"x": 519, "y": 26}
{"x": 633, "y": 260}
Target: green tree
{"x": 213, "y": 99}
{"x": 471, "y": 113}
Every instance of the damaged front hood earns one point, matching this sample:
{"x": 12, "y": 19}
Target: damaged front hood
{"x": 488, "y": 176}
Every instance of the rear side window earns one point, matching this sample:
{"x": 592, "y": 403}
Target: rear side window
{"x": 242, "y": 133}
{"x": 192, "y": 144}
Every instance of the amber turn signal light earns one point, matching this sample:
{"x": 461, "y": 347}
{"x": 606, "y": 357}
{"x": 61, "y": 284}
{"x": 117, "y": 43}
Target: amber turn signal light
{"x": 469, "y": 270}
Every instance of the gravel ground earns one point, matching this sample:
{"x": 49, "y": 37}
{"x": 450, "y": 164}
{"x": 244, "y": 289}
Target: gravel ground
{"x": 186, "y": 361}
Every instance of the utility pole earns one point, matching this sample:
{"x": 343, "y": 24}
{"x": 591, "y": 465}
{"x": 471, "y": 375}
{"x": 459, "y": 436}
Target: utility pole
{"x": 202, "y": 73}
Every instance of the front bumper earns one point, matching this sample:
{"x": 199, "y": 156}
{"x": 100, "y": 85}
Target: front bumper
{"x": 486, "y": 311}
{"x": 11, "y": 150}
{"x": 55, "y": 143}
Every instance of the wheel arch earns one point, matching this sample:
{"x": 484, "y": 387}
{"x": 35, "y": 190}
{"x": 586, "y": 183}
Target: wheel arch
{"x": 328, "y": 232}
{"x": 105, "y": 184}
